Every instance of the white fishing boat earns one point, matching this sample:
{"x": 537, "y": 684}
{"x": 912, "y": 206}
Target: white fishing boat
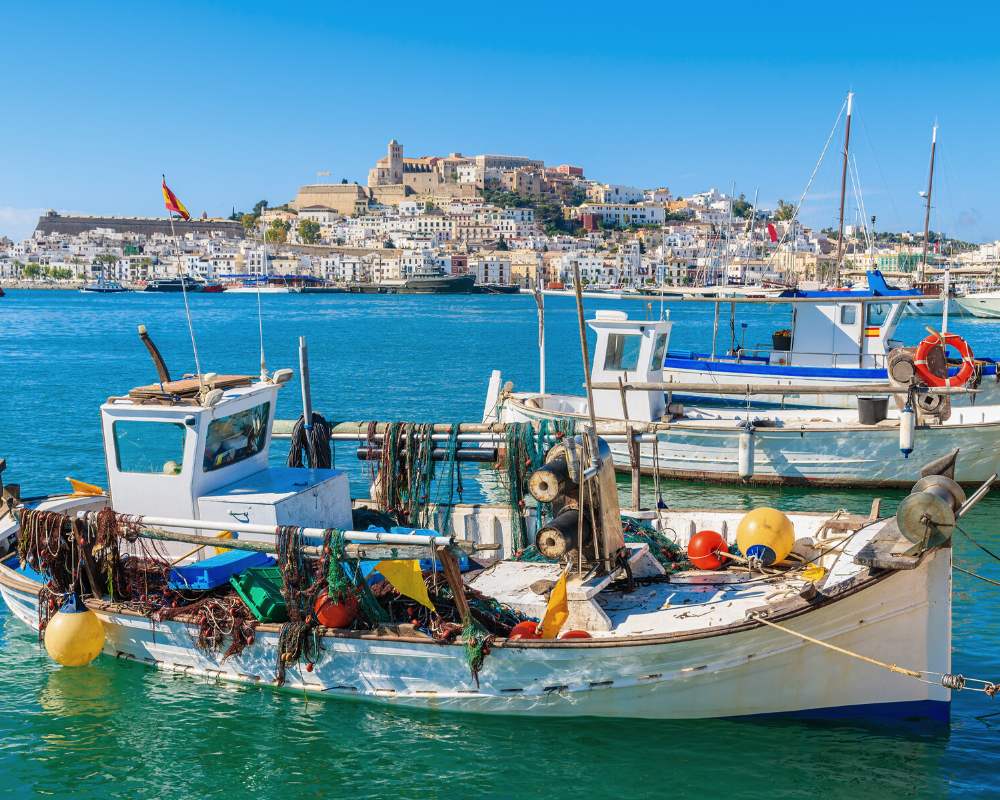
{"x": 832, "y": 338}
{"x": 826, "y": 615}
{"x": 867, "y": 445}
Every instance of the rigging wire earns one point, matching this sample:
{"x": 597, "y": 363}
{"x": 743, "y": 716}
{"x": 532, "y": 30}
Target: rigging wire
{"x": 878, "y": 166}
{"x": 809, "y": 184}
{"x": 187, "y": 310}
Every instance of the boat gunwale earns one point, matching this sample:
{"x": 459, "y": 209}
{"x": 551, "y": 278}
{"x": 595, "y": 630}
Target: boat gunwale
{"x": 797, "y": 608}
{"x": 654, "y": 426}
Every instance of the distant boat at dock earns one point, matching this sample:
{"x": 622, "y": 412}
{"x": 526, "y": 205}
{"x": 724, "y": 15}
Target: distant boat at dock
{"x": 104, "y": 286}
{"x": 182, "y": 284}
{"x": 438, "y": 282}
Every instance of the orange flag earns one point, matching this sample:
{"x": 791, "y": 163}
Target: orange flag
{"x": 172, "y": 203}
{"x": 557, "y": 610}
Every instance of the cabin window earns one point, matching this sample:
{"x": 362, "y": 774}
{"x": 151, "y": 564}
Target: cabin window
{"x": 877, "y": 313}
{"x": 237, "y": 437}
{"x": 149, "y": 447}
{"x": 848, "y": 315}
{"x": 623, "y": 351}
{"x": 659, "y": 351}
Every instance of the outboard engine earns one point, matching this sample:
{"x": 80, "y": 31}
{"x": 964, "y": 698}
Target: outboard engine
{"x": 582, "y": 465}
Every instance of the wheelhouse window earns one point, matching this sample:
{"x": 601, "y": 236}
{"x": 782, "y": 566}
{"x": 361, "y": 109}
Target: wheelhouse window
{"x": 152, "y": 448}
{"x": 237, "y": 437}
{"x": 877, "y": 313}
{"x": 659, "y": 351}
{"x": 623, "y": 351}
{"x": 848, "y": 315}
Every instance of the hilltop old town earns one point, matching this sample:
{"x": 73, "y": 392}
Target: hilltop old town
{"x": 506, "y": 220}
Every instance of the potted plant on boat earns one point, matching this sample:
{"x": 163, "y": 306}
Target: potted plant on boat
{"x": 782, "y": 340}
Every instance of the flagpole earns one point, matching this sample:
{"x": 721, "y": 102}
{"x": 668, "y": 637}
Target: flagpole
{"x": 187, "y": 308}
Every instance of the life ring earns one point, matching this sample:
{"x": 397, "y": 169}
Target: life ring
{"x": 947, "y": 339}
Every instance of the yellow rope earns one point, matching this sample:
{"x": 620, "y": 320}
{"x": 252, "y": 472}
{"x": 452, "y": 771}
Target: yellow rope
{"x": 891, "y": 667}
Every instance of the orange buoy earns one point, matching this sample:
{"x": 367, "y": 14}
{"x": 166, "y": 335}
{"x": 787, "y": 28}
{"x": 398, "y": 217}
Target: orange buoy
{"x": 339, "y": 614}
{"x": 525, "y": 630}
{"x": 704, "y": 547}
{"x": 575, "y": 635}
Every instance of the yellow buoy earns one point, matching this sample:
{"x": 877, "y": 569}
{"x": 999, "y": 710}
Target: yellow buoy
{"x": 74, "y": 636}
{"x": 765, "y": 534}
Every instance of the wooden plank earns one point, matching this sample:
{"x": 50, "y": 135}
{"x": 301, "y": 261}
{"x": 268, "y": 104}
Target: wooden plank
{"x": 187, "y": 387}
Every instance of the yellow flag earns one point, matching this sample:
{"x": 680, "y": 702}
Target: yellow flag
{"x": 556, "y": 611}
{"x": 406, "y": 578}
{"x": 79, "y": 487}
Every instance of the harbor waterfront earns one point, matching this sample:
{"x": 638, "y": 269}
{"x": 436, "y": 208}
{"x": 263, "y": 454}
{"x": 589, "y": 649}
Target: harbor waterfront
{"x": 415, "y": 358}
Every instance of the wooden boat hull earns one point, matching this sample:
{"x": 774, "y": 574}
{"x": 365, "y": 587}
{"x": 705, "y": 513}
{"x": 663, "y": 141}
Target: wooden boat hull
{"x": 902, "y": 617}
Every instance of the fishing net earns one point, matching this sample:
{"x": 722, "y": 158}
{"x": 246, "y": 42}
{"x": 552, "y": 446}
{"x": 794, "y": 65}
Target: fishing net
{"x": 526, "y": 446}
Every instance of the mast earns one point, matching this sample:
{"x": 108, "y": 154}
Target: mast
{"x": 927, "y": 206}
{"x": 843, "y": 184}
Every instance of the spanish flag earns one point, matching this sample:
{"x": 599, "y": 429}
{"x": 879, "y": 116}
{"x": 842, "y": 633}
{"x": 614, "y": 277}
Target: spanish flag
{"x": 173, "y": 205}
{"x": 557, "y": 611}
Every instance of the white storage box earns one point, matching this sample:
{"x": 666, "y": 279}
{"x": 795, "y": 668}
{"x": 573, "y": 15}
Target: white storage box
{"x": 313, "y": 498}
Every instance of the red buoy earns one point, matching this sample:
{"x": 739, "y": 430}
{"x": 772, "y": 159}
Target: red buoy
{"x": 336, "y": 615}
{"x": 575, "y": 635}
{"x": 525, "y": 630}
{"x": 704, "y": 547}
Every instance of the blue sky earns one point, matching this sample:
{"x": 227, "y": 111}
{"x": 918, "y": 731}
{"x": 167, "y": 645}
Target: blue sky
{"x": 238, "y": 102}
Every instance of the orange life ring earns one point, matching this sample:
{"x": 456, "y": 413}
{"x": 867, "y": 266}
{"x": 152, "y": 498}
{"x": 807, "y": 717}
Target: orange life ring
{"x": 948, "y": 339}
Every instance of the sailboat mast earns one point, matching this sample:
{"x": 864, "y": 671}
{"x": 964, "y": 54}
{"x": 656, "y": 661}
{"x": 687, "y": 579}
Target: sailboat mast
{"x": 927, "y": 205}
{"x": 843, "y": 185}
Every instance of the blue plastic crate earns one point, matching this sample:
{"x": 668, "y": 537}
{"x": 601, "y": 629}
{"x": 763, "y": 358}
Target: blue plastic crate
{"x": 217, "y": 570}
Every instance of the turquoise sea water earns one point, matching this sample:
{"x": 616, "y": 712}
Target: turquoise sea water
{"x": 117, "y": 730}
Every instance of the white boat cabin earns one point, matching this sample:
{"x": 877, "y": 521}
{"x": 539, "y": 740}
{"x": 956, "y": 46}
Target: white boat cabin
{"x": 630, "y": 350}
{"x": 846, "y": 332}
{"x": 176, "y": 450}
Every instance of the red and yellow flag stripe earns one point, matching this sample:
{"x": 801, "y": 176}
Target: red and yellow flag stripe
{"x": 173, "y": 205}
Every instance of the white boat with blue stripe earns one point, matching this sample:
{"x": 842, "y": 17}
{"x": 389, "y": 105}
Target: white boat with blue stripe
{"x": 834, "y": 338}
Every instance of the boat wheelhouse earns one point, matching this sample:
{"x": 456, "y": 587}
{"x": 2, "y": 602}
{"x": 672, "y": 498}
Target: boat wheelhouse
{"x": 833, "y": 338}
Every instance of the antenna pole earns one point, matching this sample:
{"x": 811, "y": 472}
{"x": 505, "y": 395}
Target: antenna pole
{"x": 307, "y": 411}
{"x": 927, "y": 206}
{"x": 584, "y": 350}
{"x": 843, "y": 184}
{"x": 260, "y": 313}
{"x": 540, "y": 303}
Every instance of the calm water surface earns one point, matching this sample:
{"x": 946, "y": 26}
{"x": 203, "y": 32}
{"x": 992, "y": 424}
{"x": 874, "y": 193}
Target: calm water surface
{"x": 115, "y": 730}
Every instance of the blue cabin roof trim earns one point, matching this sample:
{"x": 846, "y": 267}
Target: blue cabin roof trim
{"x": 877, "y": 287}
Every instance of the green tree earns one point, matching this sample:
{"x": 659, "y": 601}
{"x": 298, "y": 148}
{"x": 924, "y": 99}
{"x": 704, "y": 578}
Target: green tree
{"x": 258, "y": 208}
{"x": 31, "y": 270}
{"x": 309, "y": 231}
{"x": 784, "y": 212}
{"x": 249, "y": 222}
{"x": 278, "y": 231}
{"x": 502, "y": 243}
{"x": 742, "y": 207}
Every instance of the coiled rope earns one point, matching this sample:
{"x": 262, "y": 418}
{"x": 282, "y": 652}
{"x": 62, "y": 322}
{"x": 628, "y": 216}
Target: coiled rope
{"x": 311, "y": 448}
